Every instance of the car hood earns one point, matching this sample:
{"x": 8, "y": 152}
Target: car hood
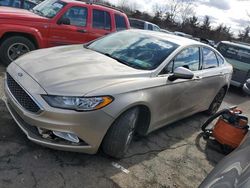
{"x": 74, "y": 70}
{"x": 19, "y": 14}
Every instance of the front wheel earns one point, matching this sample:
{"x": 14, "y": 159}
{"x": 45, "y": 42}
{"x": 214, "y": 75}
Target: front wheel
{"x": 14, "y": 47}
{"x": 215, "y": 105}
{"x": 120, "y": 134}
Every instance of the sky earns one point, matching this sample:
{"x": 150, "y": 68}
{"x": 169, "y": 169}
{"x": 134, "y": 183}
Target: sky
{"x": 232, "y": 13}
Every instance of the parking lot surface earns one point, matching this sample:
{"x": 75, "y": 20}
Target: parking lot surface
{"x": 174, "y": 156}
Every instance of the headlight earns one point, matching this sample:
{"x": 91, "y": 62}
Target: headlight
{"x": 78, "y": 103}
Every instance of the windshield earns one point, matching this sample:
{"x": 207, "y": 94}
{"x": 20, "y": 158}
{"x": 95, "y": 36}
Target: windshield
{"x": 234, "y": 52}
{"x": 134, "y": 49}
{"x": 48, "y": 8}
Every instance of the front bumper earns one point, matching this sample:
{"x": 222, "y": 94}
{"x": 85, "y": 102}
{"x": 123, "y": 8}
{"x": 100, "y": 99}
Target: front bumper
{"x": 90, "y": 127}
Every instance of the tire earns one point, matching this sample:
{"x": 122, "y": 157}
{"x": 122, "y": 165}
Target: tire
{"x": 119, "y": 136}
{"x": 13, "y": 47}
{"x": 215, "y": 105}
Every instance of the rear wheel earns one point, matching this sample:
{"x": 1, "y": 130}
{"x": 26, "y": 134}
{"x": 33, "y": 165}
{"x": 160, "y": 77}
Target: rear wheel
{"x": 14, "y": 47}
{"x": 215, "y": 105}
{"x": 120, "y": 134}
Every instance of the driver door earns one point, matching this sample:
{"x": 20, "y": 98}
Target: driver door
{"x": 180, "y": 98}
{"x": 73, "y": 32}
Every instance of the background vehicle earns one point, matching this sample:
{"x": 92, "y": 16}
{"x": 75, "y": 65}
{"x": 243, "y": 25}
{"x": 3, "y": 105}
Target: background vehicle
{"x": 100, "y": 94}
{"x": 183, "y": 34}
{"x": 24, "y": 4}
{"x": 141, "y": 24}
{"x": 233, "y": 170}
{"x": 239, "y": 56}
{"x": 53, "y": 23}
{"x": 166, "y": 31}
{"x": 246, "y": 87}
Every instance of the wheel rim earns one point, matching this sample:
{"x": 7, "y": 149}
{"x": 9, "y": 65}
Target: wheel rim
{"x": 131, "y": 132}
{"x": 217, "y": 102}
{"x": 16, "y": 50}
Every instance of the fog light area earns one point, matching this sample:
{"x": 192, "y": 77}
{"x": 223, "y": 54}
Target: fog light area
{"x": 67, "y": 136}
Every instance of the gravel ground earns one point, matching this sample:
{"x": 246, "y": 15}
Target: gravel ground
{"x": 174, "y": 156}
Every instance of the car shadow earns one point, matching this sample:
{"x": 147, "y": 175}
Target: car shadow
{"x": 171, "y": 145}
{"x": 236, "y": 96}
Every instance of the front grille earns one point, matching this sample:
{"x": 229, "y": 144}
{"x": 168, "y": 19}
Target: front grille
{"x": 21, "y": 96}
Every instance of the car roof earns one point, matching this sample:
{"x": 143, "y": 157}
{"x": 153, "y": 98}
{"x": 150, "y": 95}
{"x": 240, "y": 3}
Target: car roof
{"x": 169, "y": 37}
{"x": 246, "y": 46}
{"x": 102, "y": 6}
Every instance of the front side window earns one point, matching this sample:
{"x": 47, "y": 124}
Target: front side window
{"x": 134, "y": 49}
{"x": 188, "y": 58}
{"x": 209, "y": 59}
{"x": 120, "y": 22}
{"x": 150, "y": 27}
{"x": 156, "y": 28}
{"x": 77, "y": 16}
{"x": 137, "y": 24}
{"x": 101, "y": 19}
{"x": 49, "y": 8}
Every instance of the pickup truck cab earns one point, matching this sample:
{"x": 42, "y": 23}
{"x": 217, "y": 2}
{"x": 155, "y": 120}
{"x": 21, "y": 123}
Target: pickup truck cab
{"x": 54, "y": 23}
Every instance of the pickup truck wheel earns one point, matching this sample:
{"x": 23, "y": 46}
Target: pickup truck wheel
{"x": 120, "y": 134}
{"x": 13, "y": 47}
{"x": 215, "y": 105}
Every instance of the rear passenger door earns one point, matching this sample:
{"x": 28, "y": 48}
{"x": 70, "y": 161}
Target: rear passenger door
{"x": 100, "y": 23}
{"x": 212, "y": 76}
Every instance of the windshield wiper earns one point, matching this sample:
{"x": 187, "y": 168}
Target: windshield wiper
{"x": 123, "y": 61}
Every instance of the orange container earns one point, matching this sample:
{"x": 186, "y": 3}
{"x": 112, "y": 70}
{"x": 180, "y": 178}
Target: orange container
{"x": 227, "y": 134}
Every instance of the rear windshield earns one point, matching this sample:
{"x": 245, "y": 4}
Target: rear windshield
{"x": 234, "y": 52}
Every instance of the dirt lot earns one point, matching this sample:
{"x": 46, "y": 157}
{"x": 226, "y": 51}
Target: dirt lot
{"x": 173, "y": 156}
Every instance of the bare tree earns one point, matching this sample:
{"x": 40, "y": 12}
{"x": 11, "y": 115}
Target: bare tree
{"x": 244, "y": 35}
{"x": 186, "y": 9}
{"x": 173, "y": 9}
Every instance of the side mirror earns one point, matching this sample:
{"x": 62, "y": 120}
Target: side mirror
{"x": 246, "y": 87}
{"x": 64, "y": 21}
{"x": 181, "y": 73}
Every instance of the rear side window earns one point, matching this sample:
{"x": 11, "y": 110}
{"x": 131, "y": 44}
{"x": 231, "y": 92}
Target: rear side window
{"x": 120, "y": 22}
{"x": 101, "y": 19}
{"x": 209, "y": 59}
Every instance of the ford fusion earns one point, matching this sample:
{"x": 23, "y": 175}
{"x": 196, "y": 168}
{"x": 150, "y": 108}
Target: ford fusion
{"x": 95, "y": 96}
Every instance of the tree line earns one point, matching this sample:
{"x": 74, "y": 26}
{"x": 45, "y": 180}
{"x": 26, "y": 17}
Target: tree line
{"x": 179, "y": 15}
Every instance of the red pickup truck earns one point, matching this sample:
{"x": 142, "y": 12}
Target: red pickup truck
{"x": 53, "y": 23}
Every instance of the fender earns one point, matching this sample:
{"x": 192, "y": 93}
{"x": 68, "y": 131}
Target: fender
{"x": 11, "y": 28}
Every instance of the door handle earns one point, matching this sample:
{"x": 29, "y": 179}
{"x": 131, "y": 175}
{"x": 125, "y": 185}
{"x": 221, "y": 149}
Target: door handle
{"x": 81, "y": 31}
